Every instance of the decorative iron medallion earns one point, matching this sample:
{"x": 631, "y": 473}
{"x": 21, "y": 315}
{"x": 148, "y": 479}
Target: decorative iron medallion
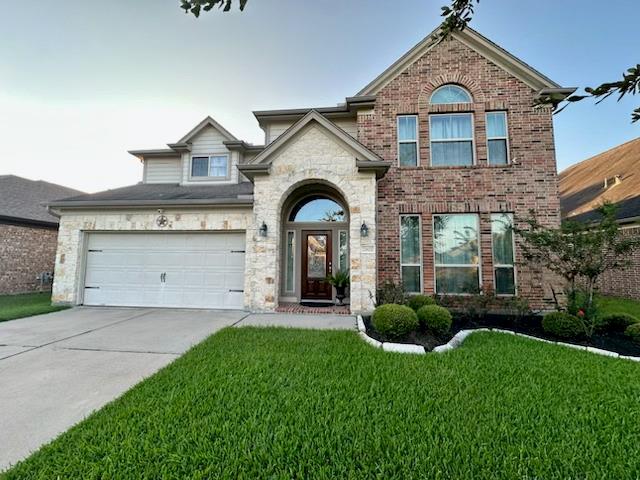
{"x": 162, "y": 221}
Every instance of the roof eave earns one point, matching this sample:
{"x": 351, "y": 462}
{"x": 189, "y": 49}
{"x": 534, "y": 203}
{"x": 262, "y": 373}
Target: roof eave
{"x": 379, "y": 168}
{"x": 251, "y": 170}
{"x": 218, "y": 202}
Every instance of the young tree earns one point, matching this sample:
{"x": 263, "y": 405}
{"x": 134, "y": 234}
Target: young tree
{"x": 579, "y": 253}
{"x": 459, "y": 14}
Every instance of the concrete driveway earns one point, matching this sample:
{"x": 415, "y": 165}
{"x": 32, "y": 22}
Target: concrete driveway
{"x": 56, "y": 369}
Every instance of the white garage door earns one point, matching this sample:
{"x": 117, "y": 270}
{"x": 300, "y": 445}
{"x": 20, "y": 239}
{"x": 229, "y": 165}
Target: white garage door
{"x": 192, "y": 270}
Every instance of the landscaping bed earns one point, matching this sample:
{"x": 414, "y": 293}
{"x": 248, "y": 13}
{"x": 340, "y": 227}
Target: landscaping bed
{"x": 530, "y": 325}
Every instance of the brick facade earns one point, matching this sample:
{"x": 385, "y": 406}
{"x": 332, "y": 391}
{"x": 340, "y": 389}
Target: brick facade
{"x": 25, "y": 252}
{"x": 624, "y": 282}
{"x": 529, "y": 182}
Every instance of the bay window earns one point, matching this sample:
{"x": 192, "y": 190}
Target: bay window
{"x": 411, "y": 253}
{"x": 502, "y": 244}
{"x": 457, "y": 253}
{"x": 451, "y": 137}
{"x": 408, "y": 140}
{"x": 497, "y": 138}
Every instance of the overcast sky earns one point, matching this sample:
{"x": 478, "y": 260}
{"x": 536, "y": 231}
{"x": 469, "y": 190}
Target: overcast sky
{"x": 83, "y": 82}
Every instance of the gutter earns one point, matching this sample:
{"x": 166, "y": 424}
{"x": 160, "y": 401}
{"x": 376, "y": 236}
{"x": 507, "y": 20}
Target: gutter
{"x": 218, "y": 202}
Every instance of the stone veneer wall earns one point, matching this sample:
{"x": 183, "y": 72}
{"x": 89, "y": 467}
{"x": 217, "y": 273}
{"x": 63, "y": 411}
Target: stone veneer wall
{"x": 311, "y": 157}
{"x": 25, "y": 253}
{"x": 72, "y": 225}
{"x": 530, "y": 182}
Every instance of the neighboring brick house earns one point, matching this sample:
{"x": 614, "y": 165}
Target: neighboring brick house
{"x": 416, "y": 179}
{"x": 28, "y": 233}
{"x": 612, "y": 176}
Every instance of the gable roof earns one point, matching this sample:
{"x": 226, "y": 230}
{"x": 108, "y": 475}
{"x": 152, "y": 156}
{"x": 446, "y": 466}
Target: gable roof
{"x": 365, "y": 158}
{"x": 582, "y": 186}
{"x": 473, "y": 40}
{"x": 24, "y": 201}
{"x": 207, "y": 122}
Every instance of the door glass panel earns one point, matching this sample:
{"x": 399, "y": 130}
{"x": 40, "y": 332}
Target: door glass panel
{"x": 316, "y": 256}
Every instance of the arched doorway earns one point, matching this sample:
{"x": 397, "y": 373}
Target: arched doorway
{"x": 315, "y": 243}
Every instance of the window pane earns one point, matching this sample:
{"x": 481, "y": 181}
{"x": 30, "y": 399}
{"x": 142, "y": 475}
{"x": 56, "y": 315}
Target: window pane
{"x": 450, "y": 94}
{"x": 496, "y": 124}
{"x": 407, "y": 128}
{"x": 451, "y": 154}
{"x": 502, "y": 238}
{"x": 218, "y": 166}
{"x": 411, "y": 279}
{"x": 505, "y": 281}
{"x": 497, "y": 152}
{"x": 316, "y": 256}
{"x": 410, "y": 239}
{"x": 343, "y": 246}
{"x": 456, "y": 239}
{"x": 457, "y": 280}
{"x": 290, "y": 259}
{"x": 448, "y": 127}
{"x": 315, "y": 209}
{"x": 408, "y": 154}
{"x": 199, "y": 166}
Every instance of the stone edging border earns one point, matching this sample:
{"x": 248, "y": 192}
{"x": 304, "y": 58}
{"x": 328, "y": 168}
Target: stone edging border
{"x": 459, "y": 337}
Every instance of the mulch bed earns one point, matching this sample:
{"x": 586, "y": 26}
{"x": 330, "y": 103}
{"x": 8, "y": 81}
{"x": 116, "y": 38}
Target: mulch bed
{"x": 613, "y": 341}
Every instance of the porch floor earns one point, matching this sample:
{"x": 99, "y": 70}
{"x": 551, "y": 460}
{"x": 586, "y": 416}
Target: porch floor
{"x": 297, "y": 308}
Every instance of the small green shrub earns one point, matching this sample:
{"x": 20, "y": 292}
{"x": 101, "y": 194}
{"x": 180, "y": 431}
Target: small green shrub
{"x": 633, "y": 331}
{"x": 563, "y": 324}
{"x": 618, "y": 321}
{"x": 416, "y": 302}
{"x": 435, "y": 318}
{"x": 389, "y": 292}
{"x": 394, "y": 320}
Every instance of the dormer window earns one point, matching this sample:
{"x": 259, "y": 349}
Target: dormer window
{"x": 448, "y": 94}
{"x": 210, "y": 166}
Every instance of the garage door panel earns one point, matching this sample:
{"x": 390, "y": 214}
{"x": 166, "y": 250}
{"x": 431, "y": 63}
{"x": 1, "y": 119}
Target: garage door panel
{"x": 199, "y": 270}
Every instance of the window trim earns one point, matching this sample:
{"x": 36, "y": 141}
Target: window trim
{"x": 209, "y": 178}
{"x": 506, "y": 138}
{"x": 472, "y": 139}
{"x": 436, "y": 265}
{"x": 503, "y": 265}
{"x": 416, "y": 141}
{"x": 453, "y": 103}
{"x": 293, "y": 261}
{"x": 421, "y": 263}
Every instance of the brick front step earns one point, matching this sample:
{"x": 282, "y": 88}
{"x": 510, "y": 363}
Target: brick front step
{"x": 297, "y": 308}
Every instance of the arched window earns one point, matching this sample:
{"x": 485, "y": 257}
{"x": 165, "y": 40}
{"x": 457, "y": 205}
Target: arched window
{"x": 318, "y": 209}
{"x": 450, "y": 94}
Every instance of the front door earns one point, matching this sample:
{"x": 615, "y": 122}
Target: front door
{"x": 316, "y": 264}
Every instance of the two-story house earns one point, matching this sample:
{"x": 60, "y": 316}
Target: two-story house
{"x": 415, "y": 179}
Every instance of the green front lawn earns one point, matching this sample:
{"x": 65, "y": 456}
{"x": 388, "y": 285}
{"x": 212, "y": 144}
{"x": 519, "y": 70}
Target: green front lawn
{"x": 278, "y": 403}
{"x": 26, "y": 305}
{"x": 607, "y": 305}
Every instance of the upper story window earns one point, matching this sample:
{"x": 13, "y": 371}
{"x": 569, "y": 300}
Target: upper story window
{"x": 451, "y": 137}
{"x": 408, "y": 140}
{"x": 317, "y": 209}
{"x": 497, "y": 138}
{"x": 210, "y": 166}
{"x": 450, "y": 94}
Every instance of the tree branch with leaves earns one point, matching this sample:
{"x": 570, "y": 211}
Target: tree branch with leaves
{"x": 460, "y": 13}
{"x": 195, "y": 7}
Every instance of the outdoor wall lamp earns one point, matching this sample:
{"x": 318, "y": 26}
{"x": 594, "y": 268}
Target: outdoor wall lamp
{"x": 364, "y": 230}
{"x": 263, "y": 230}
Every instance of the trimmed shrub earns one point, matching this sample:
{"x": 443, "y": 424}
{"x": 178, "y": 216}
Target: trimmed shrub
{"x": 618, "y": 321}
{"x": 633, "y": 331}
{"x": 416, "y": 302}
{"x": 563, "y": 324}
{"x": 435, "y": 318}
{"x": 394, "y": 320}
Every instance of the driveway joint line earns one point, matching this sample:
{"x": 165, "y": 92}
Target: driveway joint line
{"x": 240, "y": 320}
{"x": 118, "y": 351}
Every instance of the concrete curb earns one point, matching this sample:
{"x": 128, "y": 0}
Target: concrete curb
{"x": 460, "y": 337}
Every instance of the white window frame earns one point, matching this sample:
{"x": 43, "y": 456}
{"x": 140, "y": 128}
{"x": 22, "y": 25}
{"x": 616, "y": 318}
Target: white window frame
{"x": 286, "y": 262}
{"x": 506, "y": 138}
{"x": 501, "y": 265}
{"x": 454, "y": 265}
{"x": 346, "y": 233}
{"x": 209, "y": 177}
{"x": 420, "y": 264}
{"x": 416, "y": 141}
{"x": 472, "y": 139}
{"x": 452, "y": 103}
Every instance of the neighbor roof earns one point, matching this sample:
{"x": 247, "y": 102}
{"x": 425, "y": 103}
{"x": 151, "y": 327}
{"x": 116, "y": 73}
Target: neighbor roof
{"x": 24, "y": 201}
{"x": 152, "y": 194}
{"x": 582, "y": 186}
{"x": 477, "y": 42}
